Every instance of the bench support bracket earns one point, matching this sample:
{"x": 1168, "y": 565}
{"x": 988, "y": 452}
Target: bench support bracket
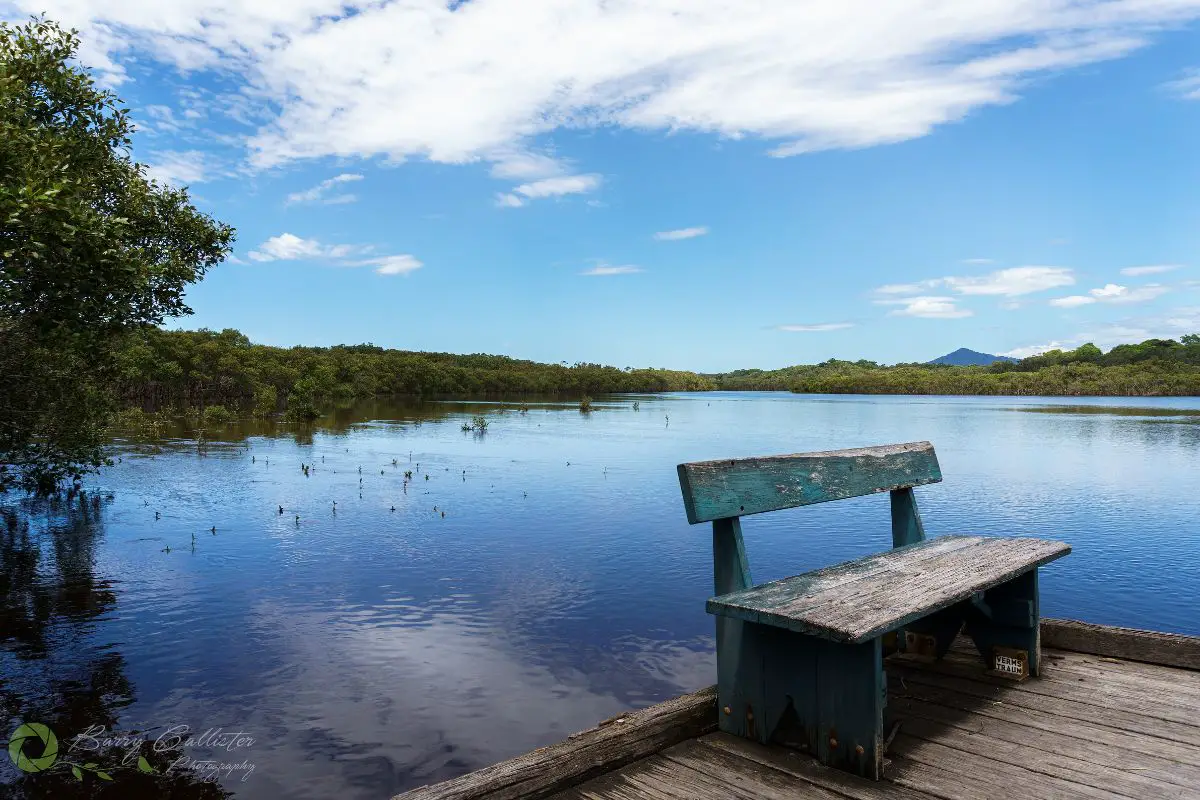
{"x": 1007, "y": 618}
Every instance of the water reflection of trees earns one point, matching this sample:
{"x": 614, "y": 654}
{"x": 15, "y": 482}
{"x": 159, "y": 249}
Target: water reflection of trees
{"x": 54, "y": 669}
{"x": 181, "y": 432}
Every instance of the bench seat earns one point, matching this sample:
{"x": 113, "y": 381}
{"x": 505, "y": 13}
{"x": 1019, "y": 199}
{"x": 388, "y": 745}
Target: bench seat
{"x": 859, "y": 600}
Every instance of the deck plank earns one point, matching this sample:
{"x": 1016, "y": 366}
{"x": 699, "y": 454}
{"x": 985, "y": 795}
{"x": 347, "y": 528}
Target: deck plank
{"x": 1134, "y": 784}
{"x": 1082, "y": 700}
{"x": 1088, "y": 743}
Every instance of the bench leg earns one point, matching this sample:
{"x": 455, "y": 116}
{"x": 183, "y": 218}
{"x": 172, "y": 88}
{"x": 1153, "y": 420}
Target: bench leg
{"x": 825, "y": 698}
{"x": 739, "y": 660}
{"x": 1005, "y": 621}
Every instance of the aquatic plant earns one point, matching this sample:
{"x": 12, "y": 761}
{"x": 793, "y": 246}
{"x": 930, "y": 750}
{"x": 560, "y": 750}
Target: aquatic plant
{"x": 585, "y": 405}
{"x": 216, "y": 415}
{"x": 480, "y": 423}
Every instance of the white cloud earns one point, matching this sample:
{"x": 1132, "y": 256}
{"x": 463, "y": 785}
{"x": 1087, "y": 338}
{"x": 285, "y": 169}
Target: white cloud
{"x": 605, "y": 269}
{"x": 395, "y": 265}
{"x": 1187, "y": 87}
{"x": 320, "y": 191}
{"x": 909, "y": 288}
{"x": 555, "y": 187}
{"x": 457, "y": 82}
{"x": 1073, "y": 301}
{"x": 1152, "y": 269}
{"x": 509, "y": 201}
{"x": 524, "y": 165}
{"x": 178, "y": 167}
{"x": 820, "y": 326}
{"x": 1012, "y": 282}
{"x": 979, "y": 261}
{"x": 1035, "y": 350}
{"x": 1112, "y": 293}
{"x": 927, "y": 307}
{"x": 287, "y": 247}
{"x": 681, "y": 233}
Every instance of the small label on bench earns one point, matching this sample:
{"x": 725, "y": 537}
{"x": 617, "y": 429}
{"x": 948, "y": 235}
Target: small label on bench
{"x": 1010, "y": 663}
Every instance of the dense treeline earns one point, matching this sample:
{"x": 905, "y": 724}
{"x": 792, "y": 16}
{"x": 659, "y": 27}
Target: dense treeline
{"x": 195, "y": 369}
{"x": 1156, "y": 367}
{"x": 206, "y": 369}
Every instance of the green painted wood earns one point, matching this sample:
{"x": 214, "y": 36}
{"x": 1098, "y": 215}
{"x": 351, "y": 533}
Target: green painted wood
{"x": 860, "y": 600}
{"x": 849, "y": 700}
{"x": 906, "y": 519}
{"x": 737, "y": 487}
{"x": 822, "y": 698}
{"x": 731, "y": 569}
{"x": 739, "y": 663}
{"x": 1008, "y": 629}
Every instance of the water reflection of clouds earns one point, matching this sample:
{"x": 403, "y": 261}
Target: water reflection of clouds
{"x": 385, "y": 698}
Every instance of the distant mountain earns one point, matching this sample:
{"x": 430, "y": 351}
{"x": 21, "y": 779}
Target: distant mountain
{"x": 962, "y": 357}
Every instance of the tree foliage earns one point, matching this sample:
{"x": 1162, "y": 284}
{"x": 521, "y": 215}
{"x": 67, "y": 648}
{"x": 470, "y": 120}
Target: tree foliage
{"x": 90, "y": 250}
{"x": 1154, "y": 367}
{"x": 193, "y": 369}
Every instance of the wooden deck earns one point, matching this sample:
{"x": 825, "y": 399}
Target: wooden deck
{"x": 1094, "y": 725}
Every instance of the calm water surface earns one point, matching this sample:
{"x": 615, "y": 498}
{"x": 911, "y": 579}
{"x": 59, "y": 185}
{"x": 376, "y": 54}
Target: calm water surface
{"x": 366, "y": 650}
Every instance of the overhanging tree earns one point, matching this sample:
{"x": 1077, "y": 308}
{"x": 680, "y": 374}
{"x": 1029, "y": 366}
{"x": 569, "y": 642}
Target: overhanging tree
{"x": 90, "y": 250}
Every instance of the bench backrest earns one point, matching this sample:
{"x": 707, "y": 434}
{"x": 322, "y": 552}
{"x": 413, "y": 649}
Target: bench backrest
{"x": 714, "y": 490}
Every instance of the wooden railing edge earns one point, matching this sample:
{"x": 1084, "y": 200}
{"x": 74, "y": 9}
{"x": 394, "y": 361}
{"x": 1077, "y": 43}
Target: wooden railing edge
{"x": 610, "y": 745}
{"x": 1131, "y": 644}
{"x": 638, "y": 734}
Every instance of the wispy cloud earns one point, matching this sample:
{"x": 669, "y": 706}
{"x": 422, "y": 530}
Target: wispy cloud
{"x": 179, "y": 167}
{"x": 909, "y": 288}
{"x": 979, "y": 262}
{"x": 320, "y": 192}
{"x": 815, "y": 328}
{"x": 1112, "y": 293}
{"x": 802, "y": 76}
{"x": 927, "y": 307}
{"x": 606, "y": 269}
{"x": 1186, "y": 87}
{"x": 1150, "y": 269}
{"x": 1035, "y": 349}
{"x": 394, "y": 265}
{"x": 681, "y": 233}
{"x": 548, "y": 187}
{"x": 289, "y": 247}
{"x": 1012, "y": 282}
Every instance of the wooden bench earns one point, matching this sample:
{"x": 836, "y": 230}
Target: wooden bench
{"x": 800, "y": 660}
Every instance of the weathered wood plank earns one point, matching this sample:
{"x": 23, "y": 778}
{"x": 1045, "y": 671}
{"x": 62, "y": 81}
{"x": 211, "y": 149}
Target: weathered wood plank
{"x": 1134, "y": 784}
{"x": 1011, "y": 779}
{"x": 810, "y": 773}
{"x": 744, "y": 774}
{"x": 889, "y": 589}
{"x": 1084, "y": 695}
{"x": 1074, "y": 737}
{"x": 606, "y": 747}
{"x": 1170, "y": 649}
{"x": 737, "y": 487}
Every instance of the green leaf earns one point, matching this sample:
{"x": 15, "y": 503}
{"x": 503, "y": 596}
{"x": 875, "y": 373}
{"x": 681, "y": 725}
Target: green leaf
{"x": 78, "y": 775}
{"x": 90, "y": 765}
{"x": 144, "y": 765}
{"x": 104, "y": 776}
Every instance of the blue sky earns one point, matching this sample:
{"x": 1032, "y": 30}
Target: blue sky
{"x": 701, "y": 185}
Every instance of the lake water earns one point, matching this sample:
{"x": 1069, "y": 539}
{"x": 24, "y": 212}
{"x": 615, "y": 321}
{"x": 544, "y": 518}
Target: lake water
{"x": 366, "y": 650}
